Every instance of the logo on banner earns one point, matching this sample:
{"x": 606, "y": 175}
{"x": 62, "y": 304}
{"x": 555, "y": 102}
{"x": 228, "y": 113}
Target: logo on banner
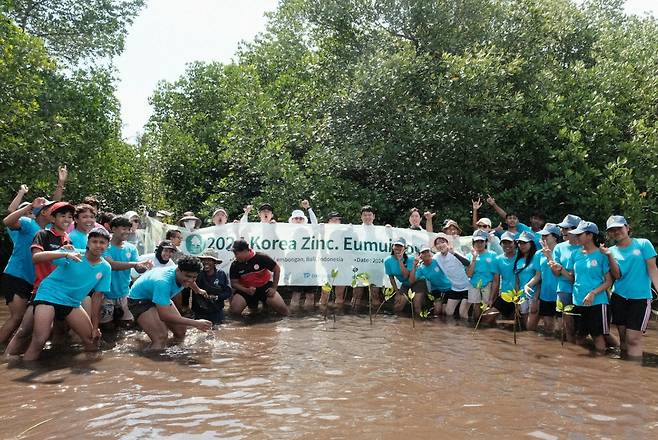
{"x": 194, "y": 244}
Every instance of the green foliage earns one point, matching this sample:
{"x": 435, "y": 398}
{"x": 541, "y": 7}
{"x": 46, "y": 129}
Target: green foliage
{"x": 349, "y": 102}
{"x": 75, "y": 30}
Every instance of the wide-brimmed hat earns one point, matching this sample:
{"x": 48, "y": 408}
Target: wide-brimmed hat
{"x": 189, "y": 215}
{"x": 449, "y": 222}
{"x": 297, "y": 213}
{"x": 210, "y": 254}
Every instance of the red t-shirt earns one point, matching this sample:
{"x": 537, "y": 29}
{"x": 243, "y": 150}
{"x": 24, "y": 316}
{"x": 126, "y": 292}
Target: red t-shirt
{"x": 255, "y": 272}
{"x": 47, "y": 240}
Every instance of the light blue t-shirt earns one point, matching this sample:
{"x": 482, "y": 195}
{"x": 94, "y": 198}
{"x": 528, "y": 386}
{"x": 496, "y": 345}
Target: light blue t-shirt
{"x": 20, "y": 262}
{"x": 434, "y": 276}
{"x": 71, "y": 281}
{"x": 525, "y": 272}
{"x": 505, "y": 267}
{"x": 156, "y": 285}
{"x": 392, "y": 268}
{"x": 632, "y": 260}
{"x": 79, "y": 239}
{"x": 121, "y": 278}
{"x": 485, "y": 269}
{"x": 548, "y": 290}
{"x": 589, "y": 273}
{"x": 562, "y": 254}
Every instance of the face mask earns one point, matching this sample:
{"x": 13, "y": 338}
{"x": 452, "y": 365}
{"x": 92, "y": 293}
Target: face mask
{"x": 189, "y": 224}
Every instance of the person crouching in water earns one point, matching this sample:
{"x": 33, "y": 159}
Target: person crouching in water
{"x": 254, "y": 278}
{"x": 150, "y": 302}
{"x": 60, "y": 294}
{"x": 483, "y": 273}
{"x": 427, "y": 269}
{"x": 453, "y": 264}
{"x": 211, "y": 289}
{"x": 398, "y": 267}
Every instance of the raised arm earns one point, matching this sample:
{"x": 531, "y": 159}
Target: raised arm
{"x": 62, "y": 176}
{"x": 429, "y": 226}
{"x": 13, "y": 206}
{"x": 311, "y": 215}
{"x": 500, "y": 211}
{"x": 13, "y": 220}
{"x": 477, "y": 204}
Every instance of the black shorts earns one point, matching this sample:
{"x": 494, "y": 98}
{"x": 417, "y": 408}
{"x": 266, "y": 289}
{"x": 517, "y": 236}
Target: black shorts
{"x": 634, "y": 314}
{"x": 457, "y": 296}
{"x": 139, "y": 306}
{"x": 547, "y": 308}
{"x": 591, "y": 320}
{"x": 505, "y": 308}
{"x": 260, "y": 296}
{"x": 61, "y": 312}
{"x": 440, "y": 295}
{"x": 12, "y": 285}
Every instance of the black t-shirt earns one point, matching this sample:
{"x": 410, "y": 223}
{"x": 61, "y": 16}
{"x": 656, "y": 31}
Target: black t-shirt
{"x": 255, "y": 272}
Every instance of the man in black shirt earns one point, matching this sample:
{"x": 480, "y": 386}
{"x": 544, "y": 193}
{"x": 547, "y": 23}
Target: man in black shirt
{"x": 255, "y": 278}
{"x": 208, "y": 301}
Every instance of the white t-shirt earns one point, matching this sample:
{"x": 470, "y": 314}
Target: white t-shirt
{"x": 454, "y": 270}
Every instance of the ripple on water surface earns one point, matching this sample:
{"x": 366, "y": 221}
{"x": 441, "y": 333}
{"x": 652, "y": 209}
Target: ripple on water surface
{"x": 302, "y": 377}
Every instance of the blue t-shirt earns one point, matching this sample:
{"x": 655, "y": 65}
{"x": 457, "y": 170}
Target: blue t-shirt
{"x": 71, "y": 281}
{"x": 548, "y": 290}
{"x": 505, "y": 267}
{"x": 392, "y": 268}
{"x": 156, "y": 285}
{"x": 632, "y": 260}
{"x": 79, "y": 239}
{"x": 121, "y": 278}
{"x": 434, "y": 276}
{"x": 562, "y": 254}
{"x": 485, "y": 269}
{"x": 20, "y": 263}
{"x": 525, "y": 272}
{"x": 589, "y": 273}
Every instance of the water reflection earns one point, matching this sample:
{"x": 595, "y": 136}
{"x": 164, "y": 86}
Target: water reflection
{"x": 303, "y": 377}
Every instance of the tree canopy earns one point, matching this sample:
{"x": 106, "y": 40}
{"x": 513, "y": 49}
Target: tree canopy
{"x": 548, "y": 104}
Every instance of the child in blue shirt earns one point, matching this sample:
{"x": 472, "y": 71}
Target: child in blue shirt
{"x": 482, "y": 271}
{"x": 427, "y": 269}
{"x": 150, "y": 301}
{"x": 59, "y": 295}
{"x": 398, "y": 267}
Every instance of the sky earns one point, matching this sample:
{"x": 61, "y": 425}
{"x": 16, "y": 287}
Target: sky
{"x": 169, "y": 34}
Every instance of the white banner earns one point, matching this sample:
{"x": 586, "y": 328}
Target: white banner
{"x": 307, "y": 254}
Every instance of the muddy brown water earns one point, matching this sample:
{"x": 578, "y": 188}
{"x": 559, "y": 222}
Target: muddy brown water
{"x": 299, "y": 378}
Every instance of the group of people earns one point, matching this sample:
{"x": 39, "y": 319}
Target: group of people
{"x": 545, "y": 269}
{"x": 75, "y": 269}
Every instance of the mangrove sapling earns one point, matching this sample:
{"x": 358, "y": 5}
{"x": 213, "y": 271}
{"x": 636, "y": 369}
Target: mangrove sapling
{"x": 410, "y": 297}
{"x": 565, "y": 310}
{"x": 389, "y": 293}
{"x": 327, "y": 289}
{"x": 485, "y": 309}
{"x": 517, "y": 297}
